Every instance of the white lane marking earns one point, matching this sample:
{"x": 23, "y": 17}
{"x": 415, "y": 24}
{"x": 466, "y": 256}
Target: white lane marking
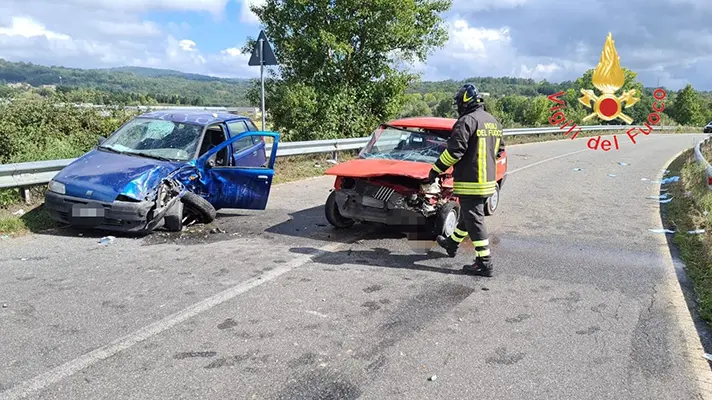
{"x": 547, "y": 160}
{"x": 318, "y": 314}
{"x": 72, "y": 367}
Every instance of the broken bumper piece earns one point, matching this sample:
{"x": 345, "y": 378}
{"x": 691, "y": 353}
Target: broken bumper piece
{"x": 124, "y": 216}
{"x": 366, "y": 208}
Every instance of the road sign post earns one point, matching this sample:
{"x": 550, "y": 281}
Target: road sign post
{"x": 262, "y": 55}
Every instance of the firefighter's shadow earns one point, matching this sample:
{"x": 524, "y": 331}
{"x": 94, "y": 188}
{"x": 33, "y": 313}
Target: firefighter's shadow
{"x": 384, "y": 258}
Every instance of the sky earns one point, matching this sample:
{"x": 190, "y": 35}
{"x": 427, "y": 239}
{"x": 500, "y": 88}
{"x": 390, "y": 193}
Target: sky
{"x": 667, "y": 42}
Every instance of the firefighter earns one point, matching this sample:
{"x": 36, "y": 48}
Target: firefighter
{"x": 472, "y": 148}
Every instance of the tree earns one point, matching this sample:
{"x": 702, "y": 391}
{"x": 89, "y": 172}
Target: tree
{"x": 445, "y": 108}
{"x": 415, "y": 106}
{"x": 687, "y": 107}
{"x": 350, "y": 57}
{"x": 536, "y": 111}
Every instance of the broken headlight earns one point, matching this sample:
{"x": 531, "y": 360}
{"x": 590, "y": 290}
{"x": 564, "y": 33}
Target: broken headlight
{"x": 432, "y": 188}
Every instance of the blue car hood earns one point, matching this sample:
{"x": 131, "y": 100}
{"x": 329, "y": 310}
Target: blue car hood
{"x": 102, "y": 176}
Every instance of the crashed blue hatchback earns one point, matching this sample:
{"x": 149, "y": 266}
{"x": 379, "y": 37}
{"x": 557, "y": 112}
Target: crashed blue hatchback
{"x": 166, "y": 169}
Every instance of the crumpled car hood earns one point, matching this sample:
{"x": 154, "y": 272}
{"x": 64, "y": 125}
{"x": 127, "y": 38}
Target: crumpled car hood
{"x": 102, "y": 176}
{"x": 366, "y": 168}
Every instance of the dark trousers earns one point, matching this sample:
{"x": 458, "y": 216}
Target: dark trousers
{"x": 472, "y": 223}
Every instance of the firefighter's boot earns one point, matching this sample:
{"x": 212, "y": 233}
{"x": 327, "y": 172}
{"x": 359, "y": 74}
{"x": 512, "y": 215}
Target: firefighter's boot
{"x": 448, "y": 244}
{"x": 481, "y": 267}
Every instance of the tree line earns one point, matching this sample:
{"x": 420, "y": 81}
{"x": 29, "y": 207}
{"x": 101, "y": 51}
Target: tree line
{"x": 530, "y": 106}
{"x": 125, "y": 85}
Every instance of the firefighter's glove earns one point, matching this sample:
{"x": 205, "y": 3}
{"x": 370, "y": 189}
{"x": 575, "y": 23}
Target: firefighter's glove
{"x": 432, "y": 175}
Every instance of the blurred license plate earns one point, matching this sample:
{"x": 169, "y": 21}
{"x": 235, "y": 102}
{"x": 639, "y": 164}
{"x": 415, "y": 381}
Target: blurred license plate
{"x": 88, "y": 211}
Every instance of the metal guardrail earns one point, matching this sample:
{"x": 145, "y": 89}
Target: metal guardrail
{"x": 23, "y": 175}
{"x": 701, "y": 161}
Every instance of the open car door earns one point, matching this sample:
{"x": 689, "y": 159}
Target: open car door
{"x": 244, "y": 187}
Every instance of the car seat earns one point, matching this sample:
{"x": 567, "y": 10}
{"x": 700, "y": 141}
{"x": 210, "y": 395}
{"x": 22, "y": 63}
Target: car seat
{"x": 212, "y": 139}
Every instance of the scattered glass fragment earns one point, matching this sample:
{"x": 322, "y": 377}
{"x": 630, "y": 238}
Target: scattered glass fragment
{"x": 106, "y": 240}
{"x": 661, "y": 231}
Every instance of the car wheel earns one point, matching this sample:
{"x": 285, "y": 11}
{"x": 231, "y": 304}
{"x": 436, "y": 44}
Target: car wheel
{"x": 198, "y": 208}
{"x": 492, "y": 202}
{"x": 333, "y": 215}
{"x": 173, "y": 220}
{"x": 446, "y": 219}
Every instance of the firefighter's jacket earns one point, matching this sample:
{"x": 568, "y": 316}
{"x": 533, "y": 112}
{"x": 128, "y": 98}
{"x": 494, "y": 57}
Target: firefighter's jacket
{"x": 472, "y": 150}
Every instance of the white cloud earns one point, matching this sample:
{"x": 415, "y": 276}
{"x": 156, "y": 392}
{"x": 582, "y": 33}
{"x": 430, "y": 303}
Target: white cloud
{"x": 246, "y": 14}
{"x": 232, "y": 52}
{"x": 129, "y": 29}
{"x": 187, "y": 45}
{"x": 26, "y": 27}
{"x": 470, "y": 51}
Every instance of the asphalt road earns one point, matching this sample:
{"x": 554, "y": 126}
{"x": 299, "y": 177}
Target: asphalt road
{"x": 585, "y": 303}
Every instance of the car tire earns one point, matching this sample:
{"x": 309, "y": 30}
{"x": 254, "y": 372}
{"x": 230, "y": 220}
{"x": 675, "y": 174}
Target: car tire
{"x": 331, "y": 210}
{"x": 173, "y": 220}
{"x": 492, "y": 202}
{"x": 201, "y": 208}
{"x": 446, "y": 218}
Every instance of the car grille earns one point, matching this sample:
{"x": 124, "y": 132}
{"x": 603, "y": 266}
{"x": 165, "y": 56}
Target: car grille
{"x": 378, "y": 192}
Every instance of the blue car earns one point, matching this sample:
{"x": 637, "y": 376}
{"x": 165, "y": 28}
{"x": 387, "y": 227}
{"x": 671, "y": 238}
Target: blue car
{"x": 166, "y": 169}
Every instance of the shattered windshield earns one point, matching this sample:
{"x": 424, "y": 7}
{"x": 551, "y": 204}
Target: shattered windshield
{"x": 155, "y": 138}
{"x": 407, "y": 145}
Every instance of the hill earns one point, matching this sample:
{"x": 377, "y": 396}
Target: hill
{"x": 165, "y": 86}
{"x": 158, "y": 73}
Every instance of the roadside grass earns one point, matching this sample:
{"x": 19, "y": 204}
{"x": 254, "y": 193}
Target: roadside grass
{"x": 690, "y": 210}
{"x": 19, "y": 218}
{"x": 294, "y": 168}
{"x": 287, "y": 169}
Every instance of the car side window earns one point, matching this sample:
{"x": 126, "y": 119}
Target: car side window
{"x": 236, "y": 128}
{"x": 259, "y": 158}
{"x": 253, "y": 128}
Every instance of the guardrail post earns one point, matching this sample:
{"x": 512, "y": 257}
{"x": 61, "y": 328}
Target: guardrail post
{"x": 25, "y": 194}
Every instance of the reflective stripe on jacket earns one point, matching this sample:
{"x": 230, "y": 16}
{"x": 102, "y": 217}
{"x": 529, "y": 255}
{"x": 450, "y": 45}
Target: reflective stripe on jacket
{"x": 472, "y": 150}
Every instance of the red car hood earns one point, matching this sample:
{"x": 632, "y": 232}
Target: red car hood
{"x": 366, "y": 168}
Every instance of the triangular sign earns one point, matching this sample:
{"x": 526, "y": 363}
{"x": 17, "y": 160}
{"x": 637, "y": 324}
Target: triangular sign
{"x": 268, "y": 57}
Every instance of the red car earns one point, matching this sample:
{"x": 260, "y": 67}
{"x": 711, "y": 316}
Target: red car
{"x": 385, "y": 183}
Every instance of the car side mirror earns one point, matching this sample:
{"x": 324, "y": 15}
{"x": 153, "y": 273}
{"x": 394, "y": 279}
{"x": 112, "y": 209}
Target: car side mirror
{"x": 211, "y": 163}
{"x": 101, "y": 140}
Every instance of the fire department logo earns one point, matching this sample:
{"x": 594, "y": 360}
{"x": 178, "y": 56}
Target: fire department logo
{"x": 608, "y": 77}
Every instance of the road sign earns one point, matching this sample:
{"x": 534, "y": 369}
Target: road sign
{"x": 267, "y": 55}
{"x": 262, "y": 55}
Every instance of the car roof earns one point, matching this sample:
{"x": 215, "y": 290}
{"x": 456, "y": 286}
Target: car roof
{"x": 199, "y": 117}
{"x": 435, "y": 123}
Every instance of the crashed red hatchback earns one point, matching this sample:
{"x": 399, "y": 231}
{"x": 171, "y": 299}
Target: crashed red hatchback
{"x": 385, "y": 183}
